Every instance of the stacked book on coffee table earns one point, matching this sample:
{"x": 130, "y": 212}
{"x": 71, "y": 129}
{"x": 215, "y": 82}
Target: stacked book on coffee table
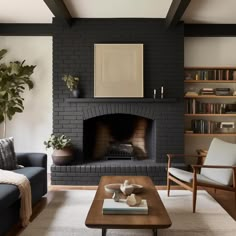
{"x": 111, "y": 207}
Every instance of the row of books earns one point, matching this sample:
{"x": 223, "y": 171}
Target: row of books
{"x": 214, "y": 74}
{"x": 195, "y": 107}
{"x": 204, "y": 126}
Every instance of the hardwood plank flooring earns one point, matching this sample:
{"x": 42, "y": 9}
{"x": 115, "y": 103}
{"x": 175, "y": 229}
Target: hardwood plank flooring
{"x": 224, "y": 198}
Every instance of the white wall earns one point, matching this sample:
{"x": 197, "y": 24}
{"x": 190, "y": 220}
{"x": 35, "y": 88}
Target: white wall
{"x": 34, "y": 125}
{"x": 209, "y": 51}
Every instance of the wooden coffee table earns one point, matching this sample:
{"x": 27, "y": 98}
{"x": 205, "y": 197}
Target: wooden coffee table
{"x": 157, "y": 217}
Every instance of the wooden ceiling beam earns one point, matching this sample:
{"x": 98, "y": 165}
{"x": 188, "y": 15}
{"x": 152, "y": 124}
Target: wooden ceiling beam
{"x": 176, "y": 11}
{"x": 59, "y": 10}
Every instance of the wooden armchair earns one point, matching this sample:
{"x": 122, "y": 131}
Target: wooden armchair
{"x": 218, "y": 170}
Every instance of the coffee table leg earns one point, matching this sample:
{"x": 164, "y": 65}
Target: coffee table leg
{"x": 155, "y": 232}
{"x": 104, "y": 232}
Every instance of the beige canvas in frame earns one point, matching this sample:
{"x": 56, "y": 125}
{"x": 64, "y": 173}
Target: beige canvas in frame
{"x": 118, "y": 70}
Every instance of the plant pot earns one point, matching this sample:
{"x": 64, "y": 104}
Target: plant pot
{"x": 75, "y": 93}
{"x": 62, "y": 156}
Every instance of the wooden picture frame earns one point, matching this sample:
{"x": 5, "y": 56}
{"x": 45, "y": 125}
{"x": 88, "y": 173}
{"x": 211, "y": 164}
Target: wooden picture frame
{"x": 118, "y": 70}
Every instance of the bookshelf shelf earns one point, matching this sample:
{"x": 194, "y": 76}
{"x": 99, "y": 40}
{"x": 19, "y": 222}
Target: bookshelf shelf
{"x": 223, "y": 115}
{"x": 211, "y": 96}
{"x": 211, "y": 135}
{"x": 210, "y": 81}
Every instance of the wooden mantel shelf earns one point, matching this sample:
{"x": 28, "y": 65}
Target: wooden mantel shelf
{"x": 125, "y": 100}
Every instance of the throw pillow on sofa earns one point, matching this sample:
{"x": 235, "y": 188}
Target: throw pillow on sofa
{"x": 7, "y": 154}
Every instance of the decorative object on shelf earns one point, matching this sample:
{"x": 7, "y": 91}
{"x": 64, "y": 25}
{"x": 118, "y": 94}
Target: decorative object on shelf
{"x": 133, "y": 200}
{"x": 14, "y": 77}
{"x": 72, "y": 84}
{"x": 223, "y": 91}
{"x": 191, "y": 93}
{"x": 62, "y": 151}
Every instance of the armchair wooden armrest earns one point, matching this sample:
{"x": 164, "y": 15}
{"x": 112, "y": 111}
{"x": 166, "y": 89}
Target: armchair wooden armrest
{"x": 170, "y": 156}
{"x": 212, "y": 166}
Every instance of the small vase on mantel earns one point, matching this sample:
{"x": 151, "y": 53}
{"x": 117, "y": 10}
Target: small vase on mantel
{"x": 76, "y": 93}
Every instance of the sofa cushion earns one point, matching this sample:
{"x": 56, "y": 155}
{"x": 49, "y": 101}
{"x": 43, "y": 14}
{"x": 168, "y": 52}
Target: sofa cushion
{"x": 32, "y": 173}
{"x": 8, "y": 195}
{"x": 36, "y": 176}
{"x": 7, "y": 154}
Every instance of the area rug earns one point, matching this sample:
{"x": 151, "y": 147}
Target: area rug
{"x": 66, "y": 213}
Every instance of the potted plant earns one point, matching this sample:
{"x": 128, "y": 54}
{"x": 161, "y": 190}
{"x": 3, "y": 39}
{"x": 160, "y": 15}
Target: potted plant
{"x": 62, "y": 151}
{"x": 14, "y": 77}
{"x": 72, "y": 84}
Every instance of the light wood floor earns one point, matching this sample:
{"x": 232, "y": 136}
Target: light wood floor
{"x": 224, "y": 198}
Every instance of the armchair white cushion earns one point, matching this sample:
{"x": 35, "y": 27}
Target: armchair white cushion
{"x": 220, "y": 153}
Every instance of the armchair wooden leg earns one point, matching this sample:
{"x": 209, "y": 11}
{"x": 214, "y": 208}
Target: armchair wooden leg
{"x": 168, "y": 186}
{"x": 194, "y": 191}
{"x": 194, "y": 199}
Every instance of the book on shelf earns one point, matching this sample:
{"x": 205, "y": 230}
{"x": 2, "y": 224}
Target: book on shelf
{"x": 200, "y": 126}
{"x": 210, "y": 74}
{"x": 197, "y": 107}
{"x": 111, "y": 207}
{"x": 207, "y": 91}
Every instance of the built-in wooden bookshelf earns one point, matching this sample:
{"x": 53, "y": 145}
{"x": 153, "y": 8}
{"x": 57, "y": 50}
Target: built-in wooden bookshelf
{"x": 212, "y": 135}
{"x": 203, "y": 114}
{"x": 204, "y": 110}
{"x": 209, "y": 81}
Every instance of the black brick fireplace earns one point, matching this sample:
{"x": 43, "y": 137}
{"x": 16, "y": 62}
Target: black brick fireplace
{"x": 163, "y": 118}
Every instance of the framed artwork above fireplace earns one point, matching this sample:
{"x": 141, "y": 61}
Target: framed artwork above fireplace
{"x": 118, "y": 70}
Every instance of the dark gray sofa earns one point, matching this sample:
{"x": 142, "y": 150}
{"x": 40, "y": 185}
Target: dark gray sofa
{"x": 35, "y": 169}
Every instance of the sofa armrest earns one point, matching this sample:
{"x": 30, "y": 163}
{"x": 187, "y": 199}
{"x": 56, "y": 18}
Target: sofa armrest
{"x": 32, "y": 159}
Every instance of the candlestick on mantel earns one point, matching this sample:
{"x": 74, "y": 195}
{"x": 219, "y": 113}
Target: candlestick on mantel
{"x": 162, "y": 91}
{"x": 154, "y": 93}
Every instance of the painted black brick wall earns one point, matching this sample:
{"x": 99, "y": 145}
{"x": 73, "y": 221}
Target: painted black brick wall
{"x": 73, "y": 53}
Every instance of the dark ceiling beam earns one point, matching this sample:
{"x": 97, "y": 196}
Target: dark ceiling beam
{"x": 176, "y": 11}
{"x": 59, "y": 10}
{"x": 209, "y": 30}
{"x": 26, "y": 29}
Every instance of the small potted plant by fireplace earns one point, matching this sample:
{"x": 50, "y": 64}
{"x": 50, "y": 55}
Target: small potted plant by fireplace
{"x": 62, "y": 149}
{"x": 72, "y": 84}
